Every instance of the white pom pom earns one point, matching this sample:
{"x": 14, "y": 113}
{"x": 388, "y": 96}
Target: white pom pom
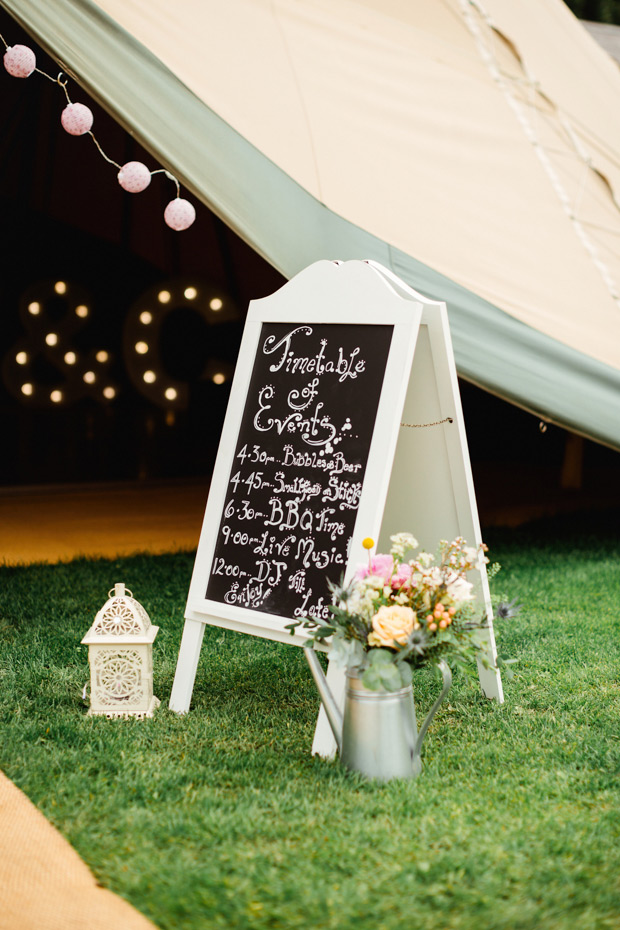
{"x": 179, "y": 214}
{"x": 76, "y": 119}
{"x": 134, "y": 177}
{"x": 20, "y": 61}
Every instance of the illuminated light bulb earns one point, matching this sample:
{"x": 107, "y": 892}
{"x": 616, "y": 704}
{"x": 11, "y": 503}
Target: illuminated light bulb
{"x": 52, "y": 339}
{"x": 218, "y": 378}
{"x": 81, "y": 311}
{"x": 56, "y": 397}
{"x": 141, "y": 348}
{"x": 190, "y": 292}
{"x": 21, "y": 358}
{"x": 216, "y": 303}
{"x": 27, "y": 389}
{"x": 60, "y": 287}
{"x": 70, "y": 358}
{"x": 149, "y": 377}
{"x": 102, "y": 356}
{"x": 109, "y": 393}
{"x": 34, "y": 308}
{"x": 170, "y": 393}
{"x": 164, "y": 297}
{"x": 89, "y": 377}
{"x": 146, "y": 317}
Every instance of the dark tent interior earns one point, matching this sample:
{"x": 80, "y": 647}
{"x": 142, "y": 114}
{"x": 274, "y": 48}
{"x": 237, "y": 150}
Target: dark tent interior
{"x": 75, "y": 403}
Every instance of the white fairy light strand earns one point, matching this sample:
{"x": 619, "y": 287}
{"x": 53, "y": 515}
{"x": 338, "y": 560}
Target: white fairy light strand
{"x": 77, "y": 120}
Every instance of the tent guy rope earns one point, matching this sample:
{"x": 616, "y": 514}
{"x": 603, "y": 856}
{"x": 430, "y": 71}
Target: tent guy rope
{"x": 482, "y": 28}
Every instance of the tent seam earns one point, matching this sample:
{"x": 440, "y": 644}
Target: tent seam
{"x": 300, "y": 96}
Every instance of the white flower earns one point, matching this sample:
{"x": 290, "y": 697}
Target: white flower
{"x": 362, "y": 600}
{"x": 432, "y": 577}
{"x": 376, "y": 582}
{"x": 458, "y": 588}
{"x": 401, "y": 542}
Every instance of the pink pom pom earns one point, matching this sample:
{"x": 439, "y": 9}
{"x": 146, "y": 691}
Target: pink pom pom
{"x": 179, "y": 214}
{"x": 134, "y": 177}
{"x": 76, "y": 119}
{"x": 20, "y": 61}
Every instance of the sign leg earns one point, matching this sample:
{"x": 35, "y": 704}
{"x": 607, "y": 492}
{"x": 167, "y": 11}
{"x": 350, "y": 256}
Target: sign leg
{"x": 491, "y": 682}
{"x": 187, "y": 663}
{"x": 490, "y": 678}
{"x": 324, "y": 741}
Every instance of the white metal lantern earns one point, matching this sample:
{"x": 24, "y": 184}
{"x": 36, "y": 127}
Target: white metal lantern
{"x": 120, "y": 653}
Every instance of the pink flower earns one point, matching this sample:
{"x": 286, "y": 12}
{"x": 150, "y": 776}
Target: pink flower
{"x": 402, "y": 576}
{"x": 383, "y": 567}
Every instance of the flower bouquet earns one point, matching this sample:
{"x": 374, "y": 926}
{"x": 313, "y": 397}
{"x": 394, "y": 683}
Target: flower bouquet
{"x": 399, "y": 614}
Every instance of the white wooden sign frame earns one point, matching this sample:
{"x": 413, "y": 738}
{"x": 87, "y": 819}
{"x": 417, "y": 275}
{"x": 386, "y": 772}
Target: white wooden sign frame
{"x": 418, "y": 477}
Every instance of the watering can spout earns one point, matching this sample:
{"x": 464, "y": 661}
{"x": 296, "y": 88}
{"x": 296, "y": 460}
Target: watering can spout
{"x": 334, "y": 714}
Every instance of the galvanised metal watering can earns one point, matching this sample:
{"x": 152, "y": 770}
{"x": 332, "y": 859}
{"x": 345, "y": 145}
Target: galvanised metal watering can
{"x": 377, "y": 735}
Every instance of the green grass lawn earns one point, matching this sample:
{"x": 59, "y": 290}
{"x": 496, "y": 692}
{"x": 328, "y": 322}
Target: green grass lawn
{"x": 222, "y": 818}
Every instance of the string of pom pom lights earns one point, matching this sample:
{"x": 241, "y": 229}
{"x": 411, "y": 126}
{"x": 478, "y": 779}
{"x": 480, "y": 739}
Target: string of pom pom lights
{"x": 77, "y": 120}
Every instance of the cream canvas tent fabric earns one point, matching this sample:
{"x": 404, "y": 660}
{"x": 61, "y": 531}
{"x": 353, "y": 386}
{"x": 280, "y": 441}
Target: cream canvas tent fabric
{"x": 473, "y": 148}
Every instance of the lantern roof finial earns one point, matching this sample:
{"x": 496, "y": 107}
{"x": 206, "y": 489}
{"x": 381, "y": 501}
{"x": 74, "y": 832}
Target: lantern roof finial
{"x": 121, "y": 619}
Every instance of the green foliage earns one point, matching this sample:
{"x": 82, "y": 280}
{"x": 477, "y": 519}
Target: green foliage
{"x": 598, "y": 11}
{"x": 223, "y": 819}
{"x": 397, "y": 615}
{"x": 381, "y": 672}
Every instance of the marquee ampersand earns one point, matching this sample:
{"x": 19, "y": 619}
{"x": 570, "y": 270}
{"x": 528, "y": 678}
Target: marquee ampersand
{"x": 44, "y": 368}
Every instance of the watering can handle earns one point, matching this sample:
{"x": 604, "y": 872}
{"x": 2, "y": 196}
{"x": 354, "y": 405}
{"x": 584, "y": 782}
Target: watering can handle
{"x": 446, "y": 675}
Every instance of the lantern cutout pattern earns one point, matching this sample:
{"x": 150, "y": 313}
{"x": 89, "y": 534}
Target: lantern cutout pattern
{"x": 120, "y": 654}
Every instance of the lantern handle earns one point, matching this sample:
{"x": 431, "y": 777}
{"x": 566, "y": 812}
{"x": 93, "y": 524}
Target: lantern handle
{"x": 119, "y": 590}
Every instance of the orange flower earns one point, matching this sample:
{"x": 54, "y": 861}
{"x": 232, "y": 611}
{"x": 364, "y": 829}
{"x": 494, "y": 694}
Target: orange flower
{"x": 392, "y": 625}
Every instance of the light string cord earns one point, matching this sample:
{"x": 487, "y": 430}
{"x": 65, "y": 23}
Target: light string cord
{"x": 170, "y": 176}
{"x": 63, "y": 84}
{"x": 423, "y": 425}
{"x": 110, "y": 161}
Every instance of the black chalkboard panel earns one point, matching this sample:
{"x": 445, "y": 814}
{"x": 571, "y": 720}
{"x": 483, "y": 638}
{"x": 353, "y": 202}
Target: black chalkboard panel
{"x": 295, "y": 484}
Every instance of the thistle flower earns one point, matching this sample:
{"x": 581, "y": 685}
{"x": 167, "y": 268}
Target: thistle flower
{"x": 506, "y": 610}
{"x": 418, "y": 641}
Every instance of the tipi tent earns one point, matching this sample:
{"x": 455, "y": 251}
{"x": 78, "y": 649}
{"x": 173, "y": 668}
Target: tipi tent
{"x": 473, "y": 148}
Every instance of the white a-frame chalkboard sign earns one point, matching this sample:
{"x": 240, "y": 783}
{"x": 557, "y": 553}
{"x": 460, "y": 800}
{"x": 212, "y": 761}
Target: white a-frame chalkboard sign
{"x": 344, "y": 421}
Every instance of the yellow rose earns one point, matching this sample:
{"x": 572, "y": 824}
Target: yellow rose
{"x": 392, "y": 625}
